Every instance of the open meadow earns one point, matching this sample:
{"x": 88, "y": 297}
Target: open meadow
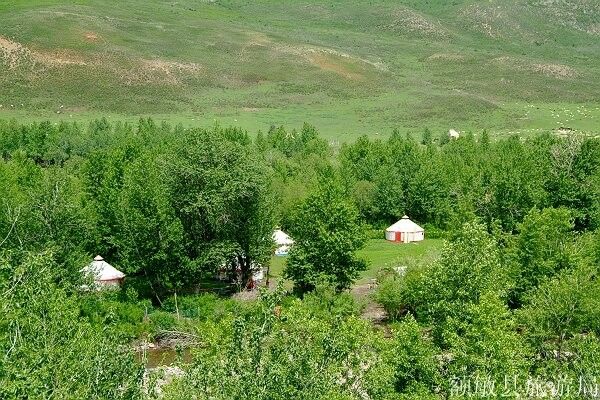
{"x": 381, "y": 254}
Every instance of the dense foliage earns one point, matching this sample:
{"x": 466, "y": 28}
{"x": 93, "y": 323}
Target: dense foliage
{"x": 513, "y": 294}
{"x": 48, "y": 350}
{"x": 328, "y": 233}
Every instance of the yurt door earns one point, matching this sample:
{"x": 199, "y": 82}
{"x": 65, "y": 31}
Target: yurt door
{"x": 398, "y": 236}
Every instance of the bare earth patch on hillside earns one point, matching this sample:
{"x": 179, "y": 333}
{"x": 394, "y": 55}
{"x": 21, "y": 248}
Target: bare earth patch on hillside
{"x": 568, "y": 13}
{"x": 157, "y": 71}
{"x": 91, "y": 37}
{"x": 326, "y": 59}
{"x": 328, "y": 63}
{"x": 408, "y": 20}
{"x": 493, "y": 21}
{"x": 16, "y": 55}
{"x": 257, "y": 39}
{"x": 555, "y": 70}
{"x": 445, "y": 57}
{"x": 57, "y": 58}
{"x": 559, "y": 71}
{"x": 12, "y": 53}
{"x": 332, "y": 60}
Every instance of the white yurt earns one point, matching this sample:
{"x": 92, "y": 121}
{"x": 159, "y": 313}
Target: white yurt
{"x": 283, "y": 242}
{"x": 405, "y": 231}
{"x": 103, "y": 273}
{"x": 453, "y": 134}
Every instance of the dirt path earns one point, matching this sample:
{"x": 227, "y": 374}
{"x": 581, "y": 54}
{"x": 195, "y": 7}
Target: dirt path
{"x": 372, "y": 312}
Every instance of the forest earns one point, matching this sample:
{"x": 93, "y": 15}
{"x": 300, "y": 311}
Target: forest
{"x": 509, "y": 308}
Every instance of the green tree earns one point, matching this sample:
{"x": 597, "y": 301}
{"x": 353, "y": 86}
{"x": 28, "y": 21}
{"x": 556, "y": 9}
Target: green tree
{"x": 284, "y": 352}
{"x": 328, "y": 232}
{"x": 427, "y": 138}
{"x": 542, "y": 249}
{"x": 562, "y": 307}
{"x": 48, "y": 350}
{"x": 469, "y": 267}
{"x": 417, "y": 370}
{"x": 149, "y": 237}
{"x": 483, "y": 341}
{"x": 517, "y": 180}
{"x": 221, "y": 193}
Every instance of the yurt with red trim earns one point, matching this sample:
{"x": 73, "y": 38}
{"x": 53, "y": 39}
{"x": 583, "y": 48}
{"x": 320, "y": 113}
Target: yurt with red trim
{"x": 405, "y": 231}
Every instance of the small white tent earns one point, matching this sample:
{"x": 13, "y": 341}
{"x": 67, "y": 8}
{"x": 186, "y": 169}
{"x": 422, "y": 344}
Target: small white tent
{"x": 283, "y": 242}
{"x": 103, "y": 273}
{"x": 405, "y": 231}
{"x": 453, "y": 134}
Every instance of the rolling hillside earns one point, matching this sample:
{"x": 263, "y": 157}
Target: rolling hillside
{"x": 349, "y": 67}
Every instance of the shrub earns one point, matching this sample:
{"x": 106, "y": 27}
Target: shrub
{"x": 202, "y": 307}
{"x": 400, "y": 293}
{"x": 389, "y": 295}
{"x": 48, "y": 349}
{"x": 125, "y": 319}
{"x": 163, "y": 321}
{"x": 325, "y": 302}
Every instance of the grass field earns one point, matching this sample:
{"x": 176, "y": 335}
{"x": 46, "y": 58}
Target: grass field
{"x": 381, "y": 254}
{"x": 349, "y": 67}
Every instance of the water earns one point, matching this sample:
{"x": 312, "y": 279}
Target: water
{"x": 159, "y": 357}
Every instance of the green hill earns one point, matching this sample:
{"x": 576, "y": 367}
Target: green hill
{"x": 349, "y": 67}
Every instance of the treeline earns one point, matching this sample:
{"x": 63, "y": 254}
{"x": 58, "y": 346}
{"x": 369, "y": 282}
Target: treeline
{"x": 173, "y": 205}
{"x": 497, "y": 181}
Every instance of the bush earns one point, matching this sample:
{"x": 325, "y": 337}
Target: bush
{"x": 389, "y": 295}
{"x": 48, "y": 349}
{"x": 124, "y": 318}
{"x": 324, "y": 302}
{"x": 202, "y": 307}
{"x": 376, "y": 233}
{"x": 398, "y": 293}
{"x": 163, "y": 321}
{"x": 433, "y": 232}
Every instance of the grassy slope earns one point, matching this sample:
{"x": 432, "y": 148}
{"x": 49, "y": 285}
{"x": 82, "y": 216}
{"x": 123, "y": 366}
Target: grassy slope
{"x": 349, "y": 67}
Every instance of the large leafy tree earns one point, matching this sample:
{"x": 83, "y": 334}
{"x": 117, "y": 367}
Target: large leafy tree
{"x": 563, "y": 307}
{"x": 221, "y": 193}
{"x": 541, "y": 249}
{"x": 149, "y": 238}
{"x": 469, "y": 267}
{"x": 516, "y": 181}
{"x": 328, "y": 232}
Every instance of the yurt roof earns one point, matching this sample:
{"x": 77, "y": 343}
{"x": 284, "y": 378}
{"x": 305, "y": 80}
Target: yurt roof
{"x": 405, "y": 225}
{"x": 281, "y": 238}
{"x": 102, "y": 271}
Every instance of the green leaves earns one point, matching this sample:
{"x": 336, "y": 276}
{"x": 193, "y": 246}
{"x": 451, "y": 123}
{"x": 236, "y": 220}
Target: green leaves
{"x": 221, "y": 194}
{"x": 327, "y": 233}
{"x": 283, "y": 352}
{"x": 48, "y": 351}
{"x": 542, "y": 248}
